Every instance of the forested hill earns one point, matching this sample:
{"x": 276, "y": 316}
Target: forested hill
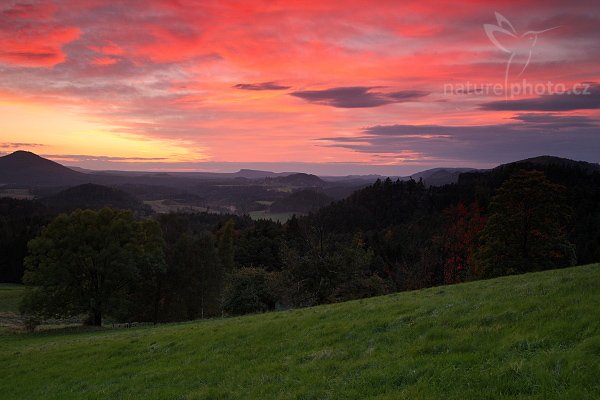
{"x": 303, "y": 201}
{"x": 391, "y": 236}
{"x": 581, "y": 193}
{"x": 389, "y": 202}
{"x": 91, "y": 196}
{"x": 561, "y": 170}
{"x": 23, "y": 167}
{"x": 427, "y": 236}
{"x": 299, "y": 180}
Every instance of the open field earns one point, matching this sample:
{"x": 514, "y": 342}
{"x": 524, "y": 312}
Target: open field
{"x": 166, "y": 206}
{"x": 534, "y": 336}
{"x": 19, "y": 194}
{"x": 264, "y": 202}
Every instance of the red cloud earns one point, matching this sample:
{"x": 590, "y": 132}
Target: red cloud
{"x": 28, "y": 36}
{"x": 104, "y": 61}
{"x": 173, "y": 70}
{"x": 110, "y": 49}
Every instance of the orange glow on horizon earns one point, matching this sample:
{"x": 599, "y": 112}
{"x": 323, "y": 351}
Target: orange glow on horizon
{"x": 280, "y": 82}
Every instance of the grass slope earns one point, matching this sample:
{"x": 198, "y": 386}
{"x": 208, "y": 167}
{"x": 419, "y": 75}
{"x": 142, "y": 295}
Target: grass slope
{"x": 10, "y": 319}
{"x": 10, "y": 296}
{"x": 534, "y": 336}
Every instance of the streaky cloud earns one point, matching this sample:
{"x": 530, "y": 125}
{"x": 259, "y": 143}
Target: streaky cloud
{"x": 261, "y": 86}
{"x": 528, "y": 135}
{"x": 357, "y": 96}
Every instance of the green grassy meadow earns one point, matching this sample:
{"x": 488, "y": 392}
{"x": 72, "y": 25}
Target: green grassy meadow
{"x": 10, "y": 297}
{"x": 533, "y": 336}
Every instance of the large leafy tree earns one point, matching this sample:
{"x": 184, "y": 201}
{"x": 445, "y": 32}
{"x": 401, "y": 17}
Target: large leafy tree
{"x": 195, "y": 277}
{"x": 146, "y": 296}
{"x": 322, "y": 274}
{"x": 89, "y": 262}
{"x": 526, "y": 230}
{"x": 251, "y": 290}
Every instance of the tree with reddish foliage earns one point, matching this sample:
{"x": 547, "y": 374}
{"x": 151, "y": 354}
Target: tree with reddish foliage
{"x": 457, "y": 241}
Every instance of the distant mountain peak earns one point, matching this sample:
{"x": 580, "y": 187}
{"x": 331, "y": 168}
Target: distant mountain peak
{"x": 25, "y": 155}
{"x": 25, "y": 167}
{"x": 22, "y": 152}
{"x": 300, "y": 179}
{"x": 92, "y": 196}
{"x": 258, "y": 174}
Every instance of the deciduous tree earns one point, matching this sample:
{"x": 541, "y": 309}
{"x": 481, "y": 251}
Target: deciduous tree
{"x": 88, "y": 262}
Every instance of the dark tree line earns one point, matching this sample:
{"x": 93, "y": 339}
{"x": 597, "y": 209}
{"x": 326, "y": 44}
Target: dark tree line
{"x": 388, "y": 237}
{"x": 20, "y": 221}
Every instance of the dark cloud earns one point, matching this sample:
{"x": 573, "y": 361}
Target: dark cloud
{"x": 29, "y": 55}
{"x": 19, "y": 145}
{"x": 260, "y": 86}
{"x": 18, "y": 10}
{"x": 527, "y": 136}
{"x": 556, "y": 121}
{"x": 31, "y": 11}
{"x": 407, "y": 95}
{"x": 586, "y": 98}
{"x": 357, "y": 96}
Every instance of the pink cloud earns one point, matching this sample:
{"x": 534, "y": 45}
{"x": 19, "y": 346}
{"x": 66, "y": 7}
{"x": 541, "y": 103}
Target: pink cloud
{"x": 29, "y": 36}
{"x": 172, "y": 70}
{"x": 104, "y": 61}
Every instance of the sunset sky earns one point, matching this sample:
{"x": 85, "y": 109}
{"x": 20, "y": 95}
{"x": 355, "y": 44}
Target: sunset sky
{"x": 329, "y": 87}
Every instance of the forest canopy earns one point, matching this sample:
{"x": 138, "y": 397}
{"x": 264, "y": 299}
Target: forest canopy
{"x": 388, "y": 237}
